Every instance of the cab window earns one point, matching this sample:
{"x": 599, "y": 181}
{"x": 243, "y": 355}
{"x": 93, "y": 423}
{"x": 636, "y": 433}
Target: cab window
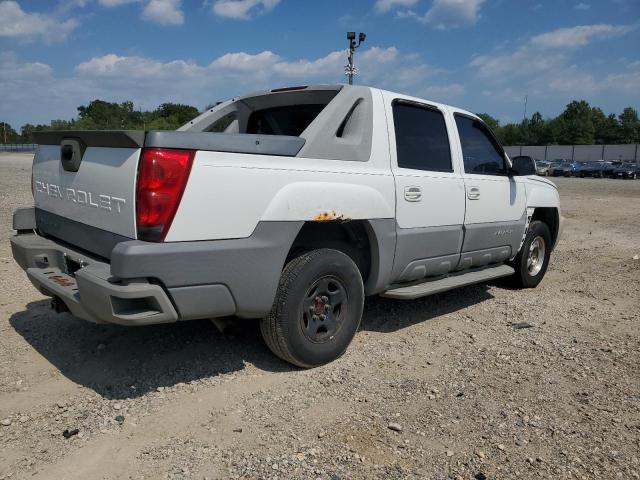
{"x": 481, "y": 152}
{"x": 422, "y": 141}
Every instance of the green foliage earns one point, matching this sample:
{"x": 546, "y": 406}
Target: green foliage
{"x": 578, "y": 124}
{"x": 8, "y": 134}
{"x": 101, "y": 115}
{"x": 492, "y": 123}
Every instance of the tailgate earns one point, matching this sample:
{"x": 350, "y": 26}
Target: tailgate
{"x": 84, "y": 186}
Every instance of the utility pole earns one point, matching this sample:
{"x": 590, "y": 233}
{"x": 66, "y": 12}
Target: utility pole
{"x": 350, "y": 69}
{"x": 526, "y": 99}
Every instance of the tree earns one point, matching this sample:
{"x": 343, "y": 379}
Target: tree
{"x": 606, "y": 128}
{"x": 101, "y": 115}
{"x": 27, "y": 131}
{"x": 629, "y": 126}
{"x": 578, "y": 126}
{"x": 8, "y": 134}
{"x": 492, "y": 123}
{"x": 177, "y": 111}
{"x": 510, "y": 134}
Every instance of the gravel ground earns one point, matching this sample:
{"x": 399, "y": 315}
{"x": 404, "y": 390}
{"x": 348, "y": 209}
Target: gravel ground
{"x": 438, "y": 388}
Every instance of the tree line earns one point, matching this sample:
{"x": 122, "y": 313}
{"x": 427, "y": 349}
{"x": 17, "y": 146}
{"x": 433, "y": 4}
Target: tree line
{"x": 101, "y": 115}
{"x": 578, "y": 124}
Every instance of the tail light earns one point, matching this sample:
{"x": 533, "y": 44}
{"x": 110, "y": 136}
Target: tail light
{"x": 162, "y": 176}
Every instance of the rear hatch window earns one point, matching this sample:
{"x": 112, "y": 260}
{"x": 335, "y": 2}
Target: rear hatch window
{"x": 287, "y": 120}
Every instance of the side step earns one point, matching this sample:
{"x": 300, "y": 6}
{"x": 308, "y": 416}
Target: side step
{"x": 447, "y": 283}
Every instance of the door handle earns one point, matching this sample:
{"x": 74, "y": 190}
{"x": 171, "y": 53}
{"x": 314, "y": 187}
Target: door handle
{"x": 412, "y": 194}
{"x": 473, "y": 193}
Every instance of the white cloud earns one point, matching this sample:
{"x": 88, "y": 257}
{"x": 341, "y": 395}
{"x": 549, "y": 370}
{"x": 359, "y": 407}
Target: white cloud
{"x": 115, "y": 3}
{"x": 443, "y": 93}
{"x": 245, "y": 62}
{"x": 134, "y": 68}
{"x": 544, "y": 66}
{"x": 16, "y": 23}
{"x": 242, "y": 9}
{"x": 578, "y": 36}
{"x": 11, "y": 69}
{"x": 582, "y": 6}
{"x": 445, "y": 14}
{"x": 150, "y": 81}
{"x": 164, "y": 12}
{"x": 383, "y": 6}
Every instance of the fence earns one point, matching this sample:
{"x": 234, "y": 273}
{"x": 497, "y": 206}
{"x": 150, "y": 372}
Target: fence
{"x": 18, "y": 147}
{"x": 579, "y": 153}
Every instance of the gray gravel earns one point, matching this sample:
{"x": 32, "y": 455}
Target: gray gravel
{"x": 443, "y": 387}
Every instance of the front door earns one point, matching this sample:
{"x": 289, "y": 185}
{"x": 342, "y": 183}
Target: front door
{"x": 429, "y": 190}
{"x": 495, "y": 215}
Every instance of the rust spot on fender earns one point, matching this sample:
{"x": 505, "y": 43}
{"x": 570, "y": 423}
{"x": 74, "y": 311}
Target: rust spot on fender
{"x": 331, "y": 216}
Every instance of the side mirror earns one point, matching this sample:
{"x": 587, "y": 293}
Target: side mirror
{"x": 523, "y": 165}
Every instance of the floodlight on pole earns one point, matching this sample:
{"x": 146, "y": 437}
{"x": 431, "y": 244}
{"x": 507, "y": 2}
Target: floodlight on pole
{"x": 349, "y": 69}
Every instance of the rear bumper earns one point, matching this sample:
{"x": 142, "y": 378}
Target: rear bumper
{"x": 91, "y": 292}
{"x": 147, "y": 283}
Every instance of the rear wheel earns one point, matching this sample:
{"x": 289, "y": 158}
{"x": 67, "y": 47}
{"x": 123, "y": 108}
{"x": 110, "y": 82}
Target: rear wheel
{"x": 533, "y": 258}
{"x": 317, "y": 309}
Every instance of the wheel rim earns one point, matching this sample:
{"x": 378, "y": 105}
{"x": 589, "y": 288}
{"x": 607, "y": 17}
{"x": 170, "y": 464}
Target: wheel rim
{"x": 535, "y": 259}
{"x": 324, "y": 308}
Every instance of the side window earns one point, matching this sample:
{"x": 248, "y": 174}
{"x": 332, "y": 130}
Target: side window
{"x": 481, "y": 152}
{"x": 422, "y": 142}
{"x": 223, "y": 123}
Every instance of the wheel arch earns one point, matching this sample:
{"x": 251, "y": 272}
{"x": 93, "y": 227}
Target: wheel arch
{"x": 369, "y": 243}
{"x": 551, "y": 217}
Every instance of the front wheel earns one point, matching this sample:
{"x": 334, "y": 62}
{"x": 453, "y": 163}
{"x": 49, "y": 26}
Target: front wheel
{"x": 317, "y": 309}
{"x": 533, "y": 258}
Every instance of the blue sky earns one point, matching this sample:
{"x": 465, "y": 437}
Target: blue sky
{"x": 483, "y": 55}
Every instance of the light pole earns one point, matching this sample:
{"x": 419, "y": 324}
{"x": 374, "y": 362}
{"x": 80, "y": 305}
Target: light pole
{"x": 350, "y": 70}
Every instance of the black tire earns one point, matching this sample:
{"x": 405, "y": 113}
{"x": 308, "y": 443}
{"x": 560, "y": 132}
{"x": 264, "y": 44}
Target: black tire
{"x": 317, "y": 309}
{"x": 524, "y": 276}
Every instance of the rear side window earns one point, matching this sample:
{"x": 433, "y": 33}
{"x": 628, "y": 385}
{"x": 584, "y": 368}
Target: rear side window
{"x": 422, "y": 142}
{"x": 481, "y": 152}
{"x": 287, "y": 120}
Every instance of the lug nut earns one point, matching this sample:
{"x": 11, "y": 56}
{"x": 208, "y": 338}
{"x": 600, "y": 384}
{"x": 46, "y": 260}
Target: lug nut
{"x": 323, "y": 317}
{"x": 314, "y": 318}
{"x": 325, "y": 299}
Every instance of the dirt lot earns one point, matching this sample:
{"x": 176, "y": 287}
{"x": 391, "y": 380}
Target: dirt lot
{"x": 473, "y": 397}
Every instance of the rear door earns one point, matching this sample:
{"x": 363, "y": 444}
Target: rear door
{"x": 429, "y": 189}
{"x": 495, "y": 214}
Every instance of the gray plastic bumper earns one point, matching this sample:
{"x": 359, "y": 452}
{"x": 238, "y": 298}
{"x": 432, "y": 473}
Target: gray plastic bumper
{"x": 86, "y": 286}
{"x": 145, "y": 283}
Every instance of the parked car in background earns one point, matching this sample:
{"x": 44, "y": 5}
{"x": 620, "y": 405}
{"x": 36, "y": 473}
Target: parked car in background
{"x": 626, "y": 170}
{"x": 542, "y": 168}
{"x": 566, "y": 169}
{"x": 591, "y": 169}
{"x": 610, "y": 166}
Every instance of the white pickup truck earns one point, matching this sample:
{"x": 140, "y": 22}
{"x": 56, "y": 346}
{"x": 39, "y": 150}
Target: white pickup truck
{"x": 289, "y": 205}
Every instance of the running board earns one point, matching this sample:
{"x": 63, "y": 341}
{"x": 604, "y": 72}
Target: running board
{"x": 453, "y": 281}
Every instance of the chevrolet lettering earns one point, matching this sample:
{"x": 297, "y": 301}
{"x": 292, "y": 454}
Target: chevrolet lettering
{"x": 81, "y": 197}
